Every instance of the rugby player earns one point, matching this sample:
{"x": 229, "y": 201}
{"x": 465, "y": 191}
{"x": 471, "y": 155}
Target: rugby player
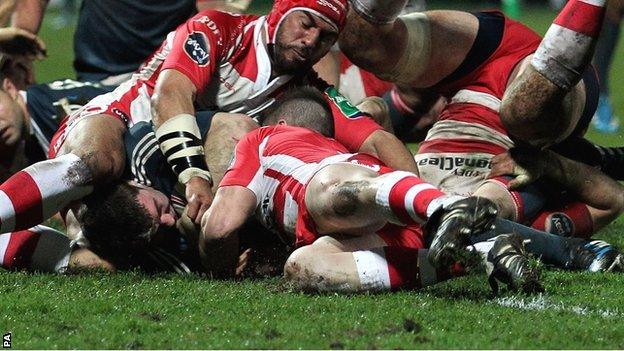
{"x": 540, "y": 97}
{"x": 483, "y": 77}
{"x": 128, "y": 31}
{"x": 264, "y": 55}
{"x": 30, "y": 117}
{"x": 356, "y": 222}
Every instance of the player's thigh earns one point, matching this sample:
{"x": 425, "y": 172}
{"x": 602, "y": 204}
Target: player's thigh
{"x": 98, "y": 141}
{"x": 342, "y": 196}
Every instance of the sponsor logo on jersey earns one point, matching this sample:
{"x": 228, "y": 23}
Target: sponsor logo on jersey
{"x": 209, "y": 23}
{"x": 451, "y": 163}
{"x": 343, "y": 104}
{"x": 328, "y": 4}
{"x": 197, "y": 49}
{"x": 373, "y": 167}
{"x": 560, "y": 224}
{"x": 119, "y": 113}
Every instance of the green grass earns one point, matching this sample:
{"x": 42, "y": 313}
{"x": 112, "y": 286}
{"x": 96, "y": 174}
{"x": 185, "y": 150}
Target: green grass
{"x": 130, "y": 310}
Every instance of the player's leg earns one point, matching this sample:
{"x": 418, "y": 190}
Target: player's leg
{"x": 358, "y": 264}
{"x": 574, "y": 219}
{"x": 419, "y": 48}
{"x": 92, "y": 154}
{"x": 563, "y": 252}
{"x": 545, "y": 101}
{"x": 354, "y": 199}
{"x": 226, "y": 129}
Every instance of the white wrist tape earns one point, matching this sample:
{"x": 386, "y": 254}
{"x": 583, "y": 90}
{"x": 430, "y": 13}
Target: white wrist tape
{"x": 181, "y": 143}
{"x": 417, "y": 53}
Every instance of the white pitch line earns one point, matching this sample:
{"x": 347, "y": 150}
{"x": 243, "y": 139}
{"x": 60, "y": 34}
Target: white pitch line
{"x": 541, "y": 303}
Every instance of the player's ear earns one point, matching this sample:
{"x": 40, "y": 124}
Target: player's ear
{"x": 282, "y": 122}
{"x": 10, "y": 88}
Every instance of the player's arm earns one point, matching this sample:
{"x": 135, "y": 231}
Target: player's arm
{"x": 359, "y": 133}
{"x": 186, "y": 71}
{"x": 180, "y": 139}
{"x": 218, "y": 244}
{"x": 28, "y": 14}
{"x": 590, "y": 185}
{"x": 390, "y": 150}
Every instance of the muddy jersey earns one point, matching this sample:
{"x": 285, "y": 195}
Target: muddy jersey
{"x": 276, "y": 163}
{"x": 456, "y": 152}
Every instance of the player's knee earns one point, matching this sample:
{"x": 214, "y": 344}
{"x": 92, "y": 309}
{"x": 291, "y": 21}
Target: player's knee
{"x": 346, "y": 197}
{"x": 298, "y": 269}
{"x": 309, "y": 270}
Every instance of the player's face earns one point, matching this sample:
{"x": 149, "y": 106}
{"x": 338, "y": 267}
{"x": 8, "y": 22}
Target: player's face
{"x": 302, "y": 39}
{"x": 12, "y": 121}
{"x": 157, "y": 205}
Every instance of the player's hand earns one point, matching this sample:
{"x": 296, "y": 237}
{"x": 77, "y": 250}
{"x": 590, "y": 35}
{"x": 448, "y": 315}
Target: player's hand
{"x": 525, "y": 165}
{"x": 19, "y": 42}
{"x": 199, "y": 197}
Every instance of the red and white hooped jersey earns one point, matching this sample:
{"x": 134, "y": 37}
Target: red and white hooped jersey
{"x": 455, "y": 156}
{"x": 470, "y": 123}
{"x": 357, "y": 84}
{"x": 276, "y": 163}
{"x": 226, "y": 57}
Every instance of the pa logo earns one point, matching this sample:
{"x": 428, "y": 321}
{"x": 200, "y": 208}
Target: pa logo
{"x": 196, "y": 47}
{"x": 6, "y": 341}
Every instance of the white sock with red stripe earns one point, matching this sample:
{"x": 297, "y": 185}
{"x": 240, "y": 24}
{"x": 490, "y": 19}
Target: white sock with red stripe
{"x": 395, "y": 267}
{"x": 39, "y": 191}
{"x": 406, "y": 199}
{"x": 568, "y": 46}
{"x": 40, "y": 249}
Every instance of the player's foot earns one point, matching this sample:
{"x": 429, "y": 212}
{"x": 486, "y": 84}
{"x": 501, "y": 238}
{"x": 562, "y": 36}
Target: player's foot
{"x": 604, "y": 121}
{"x": 510, "y": 265}
{"x": 596, "y": 256}
{"x": 451, "y": 228}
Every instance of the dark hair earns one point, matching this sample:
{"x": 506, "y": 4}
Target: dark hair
{"x": 114, "y": 222}
{"x": 15, "y": 70}
{"x": 303, "y": 107}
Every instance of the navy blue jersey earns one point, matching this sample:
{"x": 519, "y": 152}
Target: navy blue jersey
{"x": 49, "y": 103}
{"x": 146, "y": 164}
{"x": 116, "y": 36}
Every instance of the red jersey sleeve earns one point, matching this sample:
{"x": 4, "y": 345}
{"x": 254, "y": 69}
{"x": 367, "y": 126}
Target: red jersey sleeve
{"x": 198, "y": 46}
{"x": 352, "y": 126}
{"x": 245, "y": 169}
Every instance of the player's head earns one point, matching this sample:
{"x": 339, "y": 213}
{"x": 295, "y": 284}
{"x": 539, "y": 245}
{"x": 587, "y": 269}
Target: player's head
{"x": 302, "y": 31}
{"x": 124, "y": 217}
{"x": 12, "y": 122}
{"x": 12, "y": 115}
{"x": 15, "y": 74}
{"x": 303, "y": 107}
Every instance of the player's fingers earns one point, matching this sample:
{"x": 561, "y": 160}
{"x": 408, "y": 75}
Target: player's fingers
{"x": 518, "y": 182}
{"x": 192, "y": 209}
{"x": 200, "y": 212}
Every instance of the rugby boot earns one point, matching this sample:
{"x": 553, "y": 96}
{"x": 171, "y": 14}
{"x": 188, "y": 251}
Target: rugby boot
{"x": 449, "y": 229}
{"x": 596, "y": 256}
{"x": 508, "y": 263}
